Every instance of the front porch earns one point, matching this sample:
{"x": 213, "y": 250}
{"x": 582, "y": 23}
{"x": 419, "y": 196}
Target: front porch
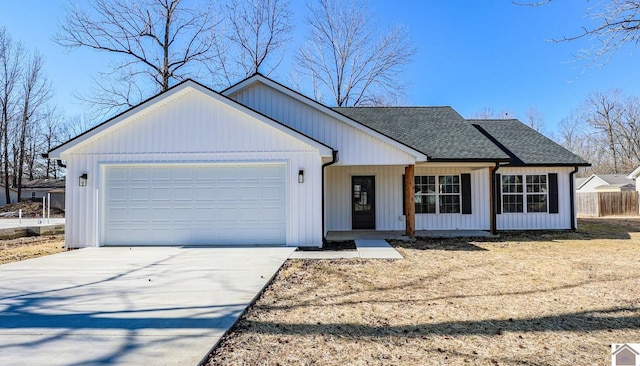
{"x": 401, "y": 234}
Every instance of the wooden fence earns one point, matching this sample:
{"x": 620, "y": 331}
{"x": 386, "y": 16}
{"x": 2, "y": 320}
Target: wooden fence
{"x": 607, "y": 204}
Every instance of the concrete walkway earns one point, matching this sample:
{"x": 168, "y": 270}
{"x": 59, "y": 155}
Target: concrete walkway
{"x": 366, "y": 249}
{"x": 127, "y": 306}
{"x": 11, "y": 223}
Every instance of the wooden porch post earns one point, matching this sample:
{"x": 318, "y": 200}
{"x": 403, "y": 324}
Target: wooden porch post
{"x": 409, "y": 204}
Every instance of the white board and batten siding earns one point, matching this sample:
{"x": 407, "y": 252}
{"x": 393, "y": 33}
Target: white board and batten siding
{"x": 389, "y": 199}
{"x": 355, "y": 147}
{"x": 196, "y": 130}
{"x": 539, "y": 221}
{"x": 480, "y": 211}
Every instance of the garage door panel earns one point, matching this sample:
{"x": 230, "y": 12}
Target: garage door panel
{"x": 141, "y": 174}
{"x": 195, "y": 205}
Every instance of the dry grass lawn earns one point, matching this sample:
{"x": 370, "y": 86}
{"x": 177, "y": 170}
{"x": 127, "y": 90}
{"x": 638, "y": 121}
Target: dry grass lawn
{"x": 549, "y": 298}
{"x": 31, "y": 247}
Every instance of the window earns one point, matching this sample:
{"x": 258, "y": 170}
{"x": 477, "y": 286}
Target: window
{"x": 445, "y": 197}
{"x": 518, "y": 189}
{"x": 425, "y": 194}
{"x": 512, "y": 193}
{"x": 33, "y": 194}
{"x": 449, "y": 193}
{"x": 536, "y": 193}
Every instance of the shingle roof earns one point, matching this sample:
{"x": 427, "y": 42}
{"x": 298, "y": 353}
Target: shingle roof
{"x": 526, "y": 146}
{"x": 44, "y": 183}
{"x": 438, "y": 132}
{"x": 614, "y": 179}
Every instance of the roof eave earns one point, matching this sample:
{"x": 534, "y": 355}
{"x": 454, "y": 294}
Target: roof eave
{"x": 634, "y": 174}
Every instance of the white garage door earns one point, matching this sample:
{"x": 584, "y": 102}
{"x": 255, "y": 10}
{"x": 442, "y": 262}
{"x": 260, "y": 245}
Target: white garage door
{"x": 194, "y": 205}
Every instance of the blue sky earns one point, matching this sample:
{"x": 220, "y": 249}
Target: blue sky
{"x": 471, "y": 55}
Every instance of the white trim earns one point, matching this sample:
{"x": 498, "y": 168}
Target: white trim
{"x": 101, "y": 199}
{"x": 634, "y": 174}
{"x": 163, "y": 98}
{"x": 524, "y": 194}
{"x": 439, "y": 194}
{"x": 321, "y": 107}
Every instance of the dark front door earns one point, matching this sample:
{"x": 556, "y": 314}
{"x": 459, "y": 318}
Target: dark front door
{"x": 363, "y": 198}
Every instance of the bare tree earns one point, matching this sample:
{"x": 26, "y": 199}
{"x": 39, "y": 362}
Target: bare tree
{"x": 259, "y": 30}
{"x": 535, "y": 119}
{"x": 11, "y": 55}
{"x": 628, "y": 133}
{"x": 617, "y": 23}
{"x": 490, "y": 113}
{"x": 602, "y": 111}
{"x": 347, "y": 58}
{"x": 36, "y": 91}
{"x": 163, "y": 41}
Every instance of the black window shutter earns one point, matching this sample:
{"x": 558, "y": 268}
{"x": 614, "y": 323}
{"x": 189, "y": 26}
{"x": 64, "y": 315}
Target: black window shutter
{"x": 553, "y": 193}
{"x": 465, "y": 179}
{"x": 498, "y": 193}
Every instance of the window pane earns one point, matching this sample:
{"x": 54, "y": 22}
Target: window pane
{"x": 450, "y": 204}
{"x": 537, "y": 203}
{"x": 512, "y": 203}
{"x": 512, "y": 184}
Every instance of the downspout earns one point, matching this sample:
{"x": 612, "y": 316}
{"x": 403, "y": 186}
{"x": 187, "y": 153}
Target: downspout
{"x": 494, "y": 201}
{"x": 334, "y": 160}
{"x": 572, "y": 198}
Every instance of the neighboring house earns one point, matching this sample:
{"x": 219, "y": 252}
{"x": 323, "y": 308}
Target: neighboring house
{"x": 635, "y": 176}
{"x": 38, "y": 188}
{"x": 262, "y": 164}
{"x": 13, "y": 195}
{"x": 605, "y": 183}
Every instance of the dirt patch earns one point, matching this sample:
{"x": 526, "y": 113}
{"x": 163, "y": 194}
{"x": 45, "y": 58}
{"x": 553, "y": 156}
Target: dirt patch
{"x": 533, "y": 298}
{"x": 31, "y": 247}
{"x": 30, "y": 209}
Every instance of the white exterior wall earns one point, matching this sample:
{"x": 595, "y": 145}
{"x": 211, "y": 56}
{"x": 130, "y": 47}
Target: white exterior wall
{"x": 533, "y": 221}
{"x": 480, "y": 212}
{"x": 13, "y": 195}
{"x": 193, "y": 129}
{"x": 389, "y": 197}
{"x": 354, "y": 146}
{"x": 591, "y": 185}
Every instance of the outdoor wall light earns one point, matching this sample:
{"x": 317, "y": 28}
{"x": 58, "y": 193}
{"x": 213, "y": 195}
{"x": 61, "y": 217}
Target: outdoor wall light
{"x": 300, "y": 176}
{"x": 83, "y": 180}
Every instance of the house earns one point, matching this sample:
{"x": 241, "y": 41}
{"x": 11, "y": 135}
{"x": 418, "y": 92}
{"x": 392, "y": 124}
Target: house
{"x": 635, "y": 176}
{"x": 262, "y": 164}
{"x": 624, "y": 355}
{"x": 606, "y": 183}
{"x": 38, "y": 188}
{"x": 13, "y": 195}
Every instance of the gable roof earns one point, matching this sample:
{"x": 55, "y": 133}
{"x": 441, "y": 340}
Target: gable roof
{"x": 175, "y": 90}
{"x": 438, "y": 132}
{"x": 259, "y": 78}
{"x": 634, "y": 174}
{"x": 525, "y": 145}
{"x": 614, "y": 180}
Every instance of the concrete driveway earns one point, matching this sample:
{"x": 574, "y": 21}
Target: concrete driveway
{"x": 133, "y": 306}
